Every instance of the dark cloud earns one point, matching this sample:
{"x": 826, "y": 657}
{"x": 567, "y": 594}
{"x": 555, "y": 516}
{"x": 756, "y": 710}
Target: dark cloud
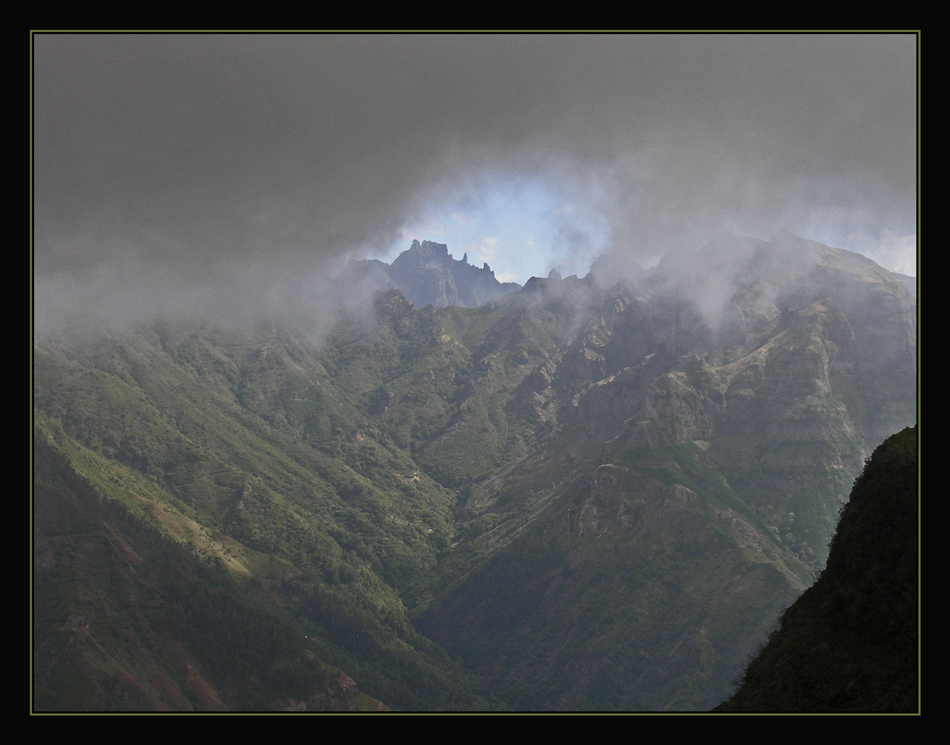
{"x": 215, "y": 171}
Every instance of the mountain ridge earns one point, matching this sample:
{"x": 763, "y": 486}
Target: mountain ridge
{"x": 568, "y": 498}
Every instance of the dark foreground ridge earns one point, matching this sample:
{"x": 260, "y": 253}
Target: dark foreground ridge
{"x": 849, "y": 643}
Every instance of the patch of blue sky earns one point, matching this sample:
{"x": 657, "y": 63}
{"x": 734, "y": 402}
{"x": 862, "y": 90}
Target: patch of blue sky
{"x": 520, "y": 229}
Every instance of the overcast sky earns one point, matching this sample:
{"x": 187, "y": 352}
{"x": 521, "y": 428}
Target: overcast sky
{"x": 229, "y": 173}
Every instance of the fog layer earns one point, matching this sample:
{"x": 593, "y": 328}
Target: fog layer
{"x": 230, "y": 175}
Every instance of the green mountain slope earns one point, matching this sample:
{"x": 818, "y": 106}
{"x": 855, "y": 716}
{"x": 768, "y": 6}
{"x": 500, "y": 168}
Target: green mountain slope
{"x": 171, "y": 456}
{"x": 137, "y": 607}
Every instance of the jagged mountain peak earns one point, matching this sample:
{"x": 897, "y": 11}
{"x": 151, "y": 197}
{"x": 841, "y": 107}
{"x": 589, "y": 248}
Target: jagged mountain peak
{"x": 420, "y": 253}
{"x": 427, "y": 274}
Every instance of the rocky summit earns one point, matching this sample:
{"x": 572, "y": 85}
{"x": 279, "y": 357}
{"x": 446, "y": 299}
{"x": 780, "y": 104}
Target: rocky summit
{"x": 428, "y": 275}
{"x": 567, "y": 497}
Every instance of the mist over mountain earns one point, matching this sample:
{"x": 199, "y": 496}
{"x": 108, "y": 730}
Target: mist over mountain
{"x": 576, "y": 496}
{"x": 229, "y": 175}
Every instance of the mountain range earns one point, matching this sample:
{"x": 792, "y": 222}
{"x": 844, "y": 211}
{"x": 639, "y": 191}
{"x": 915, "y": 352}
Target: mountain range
{"x": 563, "y": 497}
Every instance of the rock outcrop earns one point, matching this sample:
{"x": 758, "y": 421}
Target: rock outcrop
{"x": 427, "y": 274}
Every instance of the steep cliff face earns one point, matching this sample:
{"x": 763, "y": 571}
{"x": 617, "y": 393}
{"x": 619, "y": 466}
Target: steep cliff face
{"x": 789, "y": 391}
